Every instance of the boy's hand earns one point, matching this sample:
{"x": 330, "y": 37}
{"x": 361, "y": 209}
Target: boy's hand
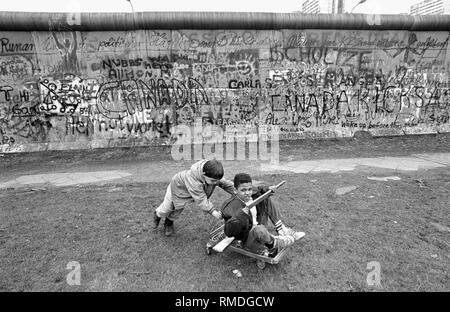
{"x": 272, "y": 188}
{"x": 246, "y": 210}
{"x": 217, "y": 214}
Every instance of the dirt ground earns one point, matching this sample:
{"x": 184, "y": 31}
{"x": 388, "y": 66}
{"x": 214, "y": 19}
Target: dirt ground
{"x": 403, "y": 225}
{"x": 300, "y": 150}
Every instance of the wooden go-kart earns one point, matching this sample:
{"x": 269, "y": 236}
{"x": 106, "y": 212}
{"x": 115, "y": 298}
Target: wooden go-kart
{"x": 218, "y": 241}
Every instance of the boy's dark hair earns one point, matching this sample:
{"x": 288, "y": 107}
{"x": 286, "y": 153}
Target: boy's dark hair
{"x": 213, "y": 169}
{"x": 241, "y": 178}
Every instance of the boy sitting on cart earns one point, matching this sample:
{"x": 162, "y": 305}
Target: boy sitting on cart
{"x": 251, "y": 229}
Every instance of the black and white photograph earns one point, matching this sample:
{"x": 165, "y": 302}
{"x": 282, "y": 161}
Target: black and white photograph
{"x": 224, "y": 152}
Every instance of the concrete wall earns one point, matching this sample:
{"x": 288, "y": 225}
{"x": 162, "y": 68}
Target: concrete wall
{"x": 65, "y": 89}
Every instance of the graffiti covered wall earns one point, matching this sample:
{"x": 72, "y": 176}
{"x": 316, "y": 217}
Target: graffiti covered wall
{"x": 76, "y": 89}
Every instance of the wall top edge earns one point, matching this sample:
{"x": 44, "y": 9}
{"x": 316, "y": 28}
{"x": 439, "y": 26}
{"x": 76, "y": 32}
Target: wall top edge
{"x": 46, "y": 21}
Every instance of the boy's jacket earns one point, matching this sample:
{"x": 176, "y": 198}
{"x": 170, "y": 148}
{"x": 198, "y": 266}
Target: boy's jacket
{"x": 190, "y": 186}
{"x": 233, "y": 205}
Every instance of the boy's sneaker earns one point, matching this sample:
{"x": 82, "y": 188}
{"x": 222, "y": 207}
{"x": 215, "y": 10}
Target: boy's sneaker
{"x": 283, "y": 241}
{"x": 156, "y": 220}
{"x": 279, "y": 243}
{"x": 168, "y": 227}
{"x": 288, "y": 231}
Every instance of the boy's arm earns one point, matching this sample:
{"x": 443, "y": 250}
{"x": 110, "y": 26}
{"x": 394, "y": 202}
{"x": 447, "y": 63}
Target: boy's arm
{"x": 227, "y": 186}
{"x": 259, "y": 188}
{"x": 195, "y": 189}
{"x": 224, "y": 210}
{"x": 231, "y": 207}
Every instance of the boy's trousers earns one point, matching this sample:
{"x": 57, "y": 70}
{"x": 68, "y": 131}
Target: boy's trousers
{"x": 167, "y": 209}
{"x": 266, "y": 210}
{"x": 258, "y": 236}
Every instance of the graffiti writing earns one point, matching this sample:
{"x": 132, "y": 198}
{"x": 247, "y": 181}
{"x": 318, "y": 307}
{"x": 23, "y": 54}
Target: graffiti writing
{"x": 6, "y": 46}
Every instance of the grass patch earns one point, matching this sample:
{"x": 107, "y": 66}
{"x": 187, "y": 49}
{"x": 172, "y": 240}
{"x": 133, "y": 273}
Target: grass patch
{"x": 108, "y": 230}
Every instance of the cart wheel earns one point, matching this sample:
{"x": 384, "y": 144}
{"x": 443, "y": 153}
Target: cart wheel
{"x": 260, "y": 264}
{"x": 208, "y": 250}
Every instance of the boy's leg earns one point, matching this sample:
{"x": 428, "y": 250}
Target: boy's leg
{"x": 267, "y": 210}
{"x": 167, "y": 210}
{"x": 257, "y": 239}
{"x": 170, "y": 218}
{"x": 261, "y": 241}
{"x": 166, "y": 206}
